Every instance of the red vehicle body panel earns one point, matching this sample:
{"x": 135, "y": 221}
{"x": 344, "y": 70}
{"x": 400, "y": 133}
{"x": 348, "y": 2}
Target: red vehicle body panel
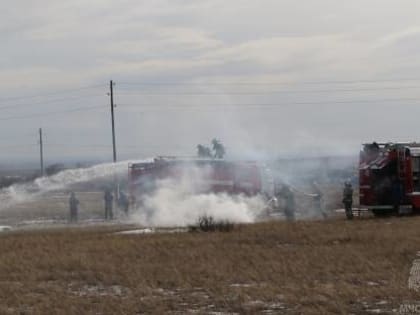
{"x": 382, "y": 167}
{"x": 215, "y": 176}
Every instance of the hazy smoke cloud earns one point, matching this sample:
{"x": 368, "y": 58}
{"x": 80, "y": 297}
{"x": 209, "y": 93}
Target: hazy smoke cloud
{"x": 179, "y": 202}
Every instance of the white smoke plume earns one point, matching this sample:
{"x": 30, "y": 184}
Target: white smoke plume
{"x": 181, "y": 202}
{"x": 174, "y": 202}
{"x": 25, "y": 192}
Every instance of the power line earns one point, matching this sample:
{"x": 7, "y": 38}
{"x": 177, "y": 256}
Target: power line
{"x": 15, "y": 136}
{"x": 202, "y": 105}
{"x": 66, "y": 91}
{"x": 66, "y": 99}
{"x": 79, "y": 145}
{"x": 72, "y": 98}
{"x": 268, "y": 82}
{"x": 256, "y": 104}
{"x": 51, "y": 93}
{"x": 104, "y": 145}
{"x": 86, "y": 146}
{"x": 269, "y": 92}
{"x": 18, "y": 146}
{"x": 285, "y": 103}
{"x": 51, "y": 113}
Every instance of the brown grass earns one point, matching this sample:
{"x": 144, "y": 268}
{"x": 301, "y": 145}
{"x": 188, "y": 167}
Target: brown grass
{"x": 332, "y": 267}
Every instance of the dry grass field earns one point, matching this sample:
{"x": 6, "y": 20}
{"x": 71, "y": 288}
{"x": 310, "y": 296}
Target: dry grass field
{"x": 313, "y": 267}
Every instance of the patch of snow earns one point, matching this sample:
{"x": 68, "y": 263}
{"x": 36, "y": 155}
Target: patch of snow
{"x": 100, "y": 290}
{"x": 5, "y": 228}
{"x": 153, "y": 230}
{"x": 241, "y": 285}
{"x": 41, "y": 221}
{"x": 372, "y": 283}
{"x": 138, "y": 231}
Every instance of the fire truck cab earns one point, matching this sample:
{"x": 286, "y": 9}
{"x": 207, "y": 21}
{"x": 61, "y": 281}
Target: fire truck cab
{"x": 206, "y": 175}
{"x": 389, "y": 177}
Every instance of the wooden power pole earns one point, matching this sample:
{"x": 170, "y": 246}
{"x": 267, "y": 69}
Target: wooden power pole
{"x": 41, "y": 152}
{"x": 111, "y": 95}
{"x": 114, "y": 150}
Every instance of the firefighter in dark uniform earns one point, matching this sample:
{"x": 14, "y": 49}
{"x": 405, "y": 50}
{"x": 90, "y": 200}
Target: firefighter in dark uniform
{"x": 290, "y": 204}
{"x": 123, "y": 202}
{"x": 317, "y": 195}
{"x": 284, "y": 192}
{"x": 74, "y": 205}
{"x": 348, "y": 199}
{"x": 108, "y": 198}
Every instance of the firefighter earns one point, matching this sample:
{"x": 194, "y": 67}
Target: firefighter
{"x": 108, "y": 198}
{"x": 317, "y": 195}
{"x": 290, "y": 204}
{"x": 123, "y": 202}
{"x": 348, "y": 199}
{"x": 283, "y": 192}
{"x": 275, "y": 201}
{"x": 74, "y": 205}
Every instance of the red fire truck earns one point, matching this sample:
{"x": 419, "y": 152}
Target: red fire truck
{"x": 206, "y": 175}
{"x": 389, "y": 177}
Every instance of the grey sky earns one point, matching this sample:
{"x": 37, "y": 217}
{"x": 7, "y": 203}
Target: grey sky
{"x": 266, "y": 77}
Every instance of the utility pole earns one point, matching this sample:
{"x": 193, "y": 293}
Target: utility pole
{"x": 114, "y": 150}
{"x": 111, "y": 95}
{"x": 41, "y": 152}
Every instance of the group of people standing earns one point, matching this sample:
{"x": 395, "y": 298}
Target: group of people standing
{"x": 122, "y": 202}
{"x": 282, "y": 192}
{"x": 285, "y": 192}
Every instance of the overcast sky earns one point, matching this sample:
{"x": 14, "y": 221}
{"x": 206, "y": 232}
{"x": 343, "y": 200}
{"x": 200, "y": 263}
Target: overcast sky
{"x": 266, "y": 77}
